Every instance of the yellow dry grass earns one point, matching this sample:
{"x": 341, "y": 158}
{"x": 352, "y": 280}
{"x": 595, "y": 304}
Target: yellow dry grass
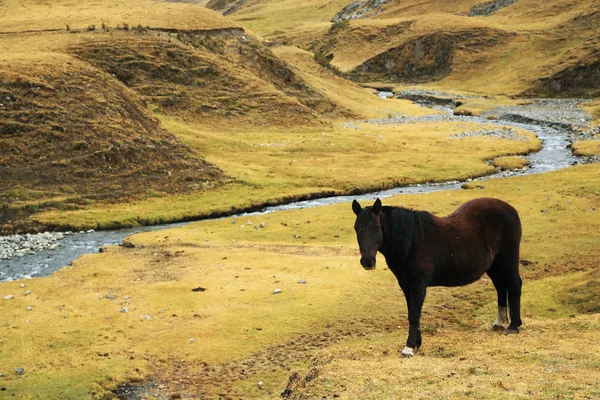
{"x": 536, "y": 38}
{"x": 29, "y": 15}
{"x": 360, "y": 101}
{"x": 264, "y": 18}
{"x": 76, "y": 340}
{"x": 586, "y": 147}
{"x": 509, "y": 163}
{"x": 552, "y": 359}
{"x": 476, "y": 106}
{"x": 593, "y": 107}
{"x": 268, "y": 165}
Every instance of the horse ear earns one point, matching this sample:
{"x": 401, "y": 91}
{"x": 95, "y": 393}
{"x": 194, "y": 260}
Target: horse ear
{"x": 356, "y": 207}
{"x": 377, "y": 206}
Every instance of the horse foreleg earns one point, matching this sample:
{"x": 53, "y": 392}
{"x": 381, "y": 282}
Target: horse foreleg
{"x": 406, "y": 290}
{"x": 417, "y": 297}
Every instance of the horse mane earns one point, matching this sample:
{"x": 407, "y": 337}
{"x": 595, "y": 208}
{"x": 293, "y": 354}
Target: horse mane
{"x": 406, "y": 228}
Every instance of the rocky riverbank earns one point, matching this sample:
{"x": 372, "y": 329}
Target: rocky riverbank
{"x": 20, "y": 245}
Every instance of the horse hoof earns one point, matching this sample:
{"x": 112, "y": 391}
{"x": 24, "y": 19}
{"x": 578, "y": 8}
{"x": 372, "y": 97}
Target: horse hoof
{"x": 407, "y": 352}
{"x": 497, "y": 328}
{"x": 511, "y": 331}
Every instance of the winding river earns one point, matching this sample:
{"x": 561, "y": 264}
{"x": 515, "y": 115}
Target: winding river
{"x": 550, "y": 120}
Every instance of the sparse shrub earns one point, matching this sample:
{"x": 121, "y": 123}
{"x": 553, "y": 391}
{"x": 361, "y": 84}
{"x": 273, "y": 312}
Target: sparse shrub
{"x": 431, "y": 329}
{"x": 32, "y": 208}
{"x": 125, "y": 26}
{"x": 325, "y": 61}
{"x": 105, "y": 27}
{"x": 169, "y": 102}
{"x": 79, "y": 145}
{"x": 339, "y": 25}
{"x": 9, "y": 129}
{"x": 153, "y": 193}
{"x": 321, "y": 58}
{"x": 59, "y": 205}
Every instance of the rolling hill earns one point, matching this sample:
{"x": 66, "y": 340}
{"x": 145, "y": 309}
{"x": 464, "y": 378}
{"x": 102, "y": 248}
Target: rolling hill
{"x": 524, "y": 47}
{"x": 81, "y": 86}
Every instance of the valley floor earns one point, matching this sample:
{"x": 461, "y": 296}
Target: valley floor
{"x": 191, "y": 311}
{"x": 126, "y": 113}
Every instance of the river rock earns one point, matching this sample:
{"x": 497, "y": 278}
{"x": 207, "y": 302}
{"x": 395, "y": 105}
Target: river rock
{"x": 489, "y": 7}
{"x": 20, "y": 245}
{"x": 359, "y": 9}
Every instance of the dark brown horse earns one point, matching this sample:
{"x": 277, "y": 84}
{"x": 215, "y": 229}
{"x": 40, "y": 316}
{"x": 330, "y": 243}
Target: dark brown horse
{"x": 481, "y": 236}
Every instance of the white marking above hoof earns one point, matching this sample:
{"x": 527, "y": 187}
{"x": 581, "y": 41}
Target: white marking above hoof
{"x": 502, "y": 317}
{"x": 407, "y": 352}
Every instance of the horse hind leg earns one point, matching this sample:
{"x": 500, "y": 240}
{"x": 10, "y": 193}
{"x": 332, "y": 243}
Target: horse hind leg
{"x": 509, "y": 264}
{"x": 499, "y": 281}
{"x": 514, "y": 301}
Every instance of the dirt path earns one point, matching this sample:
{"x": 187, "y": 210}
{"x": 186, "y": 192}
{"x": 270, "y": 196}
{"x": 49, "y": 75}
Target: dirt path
{"x": 187, "y": 379}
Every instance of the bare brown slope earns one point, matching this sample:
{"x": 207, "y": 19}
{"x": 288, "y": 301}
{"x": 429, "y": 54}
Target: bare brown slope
{"x": 429, "y": 57}
{"x": 215, "y": 76}
{"x": 77, "y": 130}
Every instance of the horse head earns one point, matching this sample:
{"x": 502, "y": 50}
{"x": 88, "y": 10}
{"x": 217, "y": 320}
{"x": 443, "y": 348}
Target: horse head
{"x": 368, "y": 232}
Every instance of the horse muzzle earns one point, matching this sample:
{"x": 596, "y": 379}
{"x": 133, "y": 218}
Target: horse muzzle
{"x": 368, "y": 263}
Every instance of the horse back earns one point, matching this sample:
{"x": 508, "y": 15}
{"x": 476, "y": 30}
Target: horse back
{"x": 490, "y": 217}
{"x": 468, "y": 241}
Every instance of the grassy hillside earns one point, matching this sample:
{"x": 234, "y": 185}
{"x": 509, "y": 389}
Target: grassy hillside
{"x": 195, "y": 83}
{"x": 340, "y": 331}
{"x": 532, "y": 47}
{"x": 82, "y": 84}
{"x": 74, "y": 136}
{"x": 31, "y": 15}
{"x": 267, "y": 118}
